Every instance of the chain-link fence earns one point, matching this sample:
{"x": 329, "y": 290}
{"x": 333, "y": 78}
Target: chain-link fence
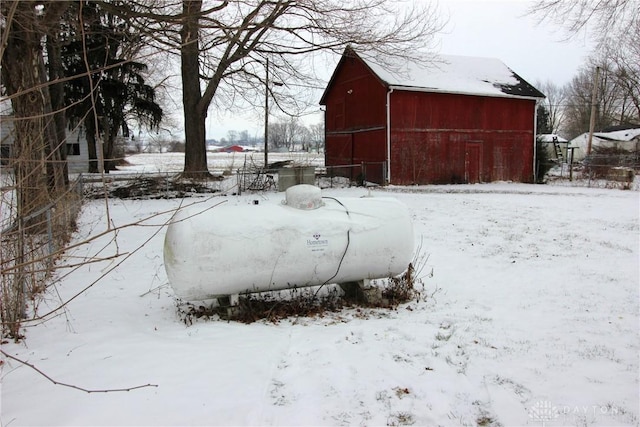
{"x": 604, "y": 165}
{"x": 602, "y": 169}
{"x": 29, "y": 247}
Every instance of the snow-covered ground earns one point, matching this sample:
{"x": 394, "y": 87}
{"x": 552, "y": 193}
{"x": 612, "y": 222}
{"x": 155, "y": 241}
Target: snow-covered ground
{"x": 531, "y": 318}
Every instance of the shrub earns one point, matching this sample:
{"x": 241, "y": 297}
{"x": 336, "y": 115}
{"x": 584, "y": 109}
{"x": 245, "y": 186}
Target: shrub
{"x": 543, "y": 162}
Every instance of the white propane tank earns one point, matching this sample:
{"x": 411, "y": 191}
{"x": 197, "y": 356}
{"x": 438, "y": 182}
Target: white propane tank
{"x": 307, "y": 240}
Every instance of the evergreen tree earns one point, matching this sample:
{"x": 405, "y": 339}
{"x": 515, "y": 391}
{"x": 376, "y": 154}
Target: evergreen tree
{"x": 113, "y": 90}
{"x": 543, "y": 160}
{"x": 543, "y": 120}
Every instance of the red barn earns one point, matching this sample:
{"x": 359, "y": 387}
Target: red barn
{"x": 458, "y": 120}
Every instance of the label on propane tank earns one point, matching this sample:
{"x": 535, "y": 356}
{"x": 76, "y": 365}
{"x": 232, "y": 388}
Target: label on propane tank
{"x": 317, "y": 243}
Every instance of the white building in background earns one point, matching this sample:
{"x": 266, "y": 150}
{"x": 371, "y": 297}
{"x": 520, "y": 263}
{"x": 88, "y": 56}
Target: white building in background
{"x": 627, "y": 139}
{"x": 76, "y": 143}
{"x": 77, "y": 150}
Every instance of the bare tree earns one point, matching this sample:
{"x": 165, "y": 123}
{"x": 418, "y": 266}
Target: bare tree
{"x": 606, "y": 20}
{"x": 626, "y": 62}
{"x": 316, "y": 135}
{"x": 612, "y": 101}
{"x": 304, "y": 138}
{"x": 579, "y": 104}
{"x": 24, "y": 79}
{"x": 554, "y": 103}
{"x": 232, "y": 136}
{"x": 224, "y": 46}
{"x": 278, "y": 137}
{"x": 289, "y": 133}
{"x": 615, "y": 27}
{"x": 243, "y": 137}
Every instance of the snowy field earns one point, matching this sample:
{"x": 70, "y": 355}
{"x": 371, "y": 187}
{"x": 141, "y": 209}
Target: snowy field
{"x": 531, "y": 317}
{"x": 217, "y": 162}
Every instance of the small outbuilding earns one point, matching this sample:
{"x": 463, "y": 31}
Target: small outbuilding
{"x": 619, "y": 141}
{"x": 455, "y": 120}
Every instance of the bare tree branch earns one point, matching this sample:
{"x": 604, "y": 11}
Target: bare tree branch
{"x": 86, "y": 390}
{"x": 554, "y": 103}
{"x": 605, "y": 19}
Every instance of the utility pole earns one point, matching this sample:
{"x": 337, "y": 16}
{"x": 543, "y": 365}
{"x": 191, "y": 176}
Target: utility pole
{"x": 266, "y": 117}
{"x": 594, "y": 106}
{"x": 266, "y": 114}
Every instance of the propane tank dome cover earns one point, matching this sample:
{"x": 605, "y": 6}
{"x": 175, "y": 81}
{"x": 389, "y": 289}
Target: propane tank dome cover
{"x": 303, "y": 196}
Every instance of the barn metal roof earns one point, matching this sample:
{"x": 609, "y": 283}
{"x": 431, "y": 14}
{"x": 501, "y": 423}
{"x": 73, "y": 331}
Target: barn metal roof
{"x": 452, "y": 74}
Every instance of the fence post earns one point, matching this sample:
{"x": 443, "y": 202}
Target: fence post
{"x": 50, "y": 237}
{"x": 570, "y": 156}
{"x": 79, "y": 185}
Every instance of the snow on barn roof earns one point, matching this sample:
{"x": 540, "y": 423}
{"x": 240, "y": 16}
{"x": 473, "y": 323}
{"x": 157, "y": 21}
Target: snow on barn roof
{"x": 456, "y": 74}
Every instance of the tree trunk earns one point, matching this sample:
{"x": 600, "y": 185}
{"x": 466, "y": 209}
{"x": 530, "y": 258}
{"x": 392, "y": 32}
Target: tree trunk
{"x": 195, "y": 159}
{"x": 21, "y": 68}
{"x": 109, "y": 161}
{"x": 53, "y": 144}
{"x": 109, "y": 141}
{"x": 90, "y": 129}
{"x": 56, "y": 94}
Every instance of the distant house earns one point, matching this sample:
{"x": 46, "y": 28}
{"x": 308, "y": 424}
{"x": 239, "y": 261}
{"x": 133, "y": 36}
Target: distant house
{"x": 623, "y": 140}
{"x": 231, "y": 149}
{"x": 77, "y": 150}
{"x": 234, "y": 149}
{"x": 459, "y": 120}
{"x": 76, "y": 143}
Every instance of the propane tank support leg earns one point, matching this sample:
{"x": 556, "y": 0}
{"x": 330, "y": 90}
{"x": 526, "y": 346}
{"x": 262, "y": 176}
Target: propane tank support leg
{"x": 353, "y": 291}
{"x": 361, "y": 292}
{"x": 228, "y": 306}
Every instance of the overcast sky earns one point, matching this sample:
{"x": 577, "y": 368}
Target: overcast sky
{"x": 501, "y": 29}
{"x": 497, "y": 29}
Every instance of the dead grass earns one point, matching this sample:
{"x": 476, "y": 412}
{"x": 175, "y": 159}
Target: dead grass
{"x": 306, "y": 302}
{"x": 150, "y": 187}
